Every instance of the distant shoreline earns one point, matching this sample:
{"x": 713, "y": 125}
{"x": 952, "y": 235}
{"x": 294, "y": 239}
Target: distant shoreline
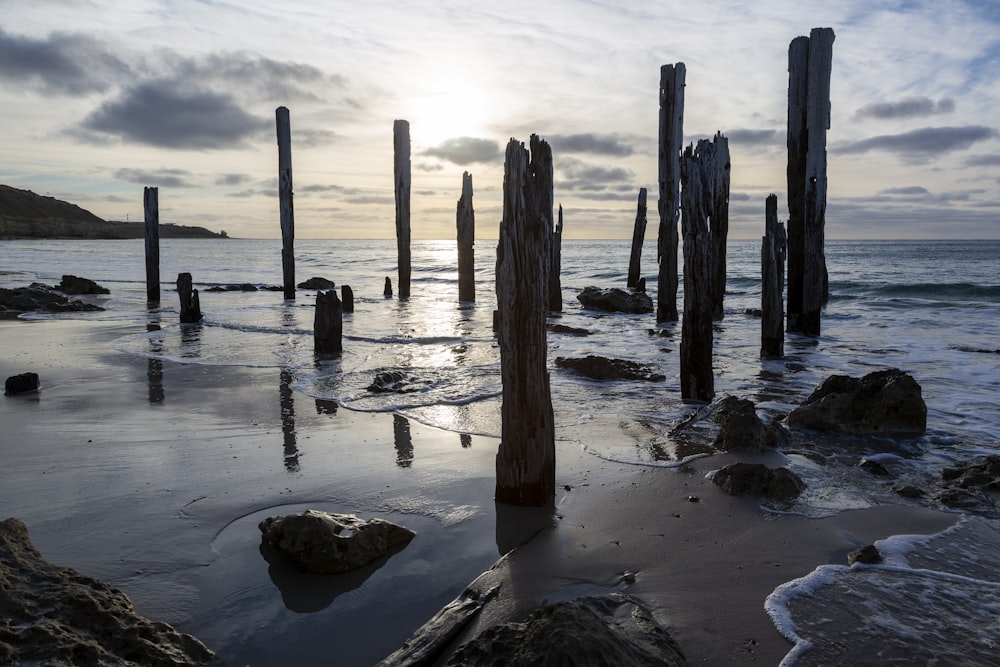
{"x": 62, "y": 229}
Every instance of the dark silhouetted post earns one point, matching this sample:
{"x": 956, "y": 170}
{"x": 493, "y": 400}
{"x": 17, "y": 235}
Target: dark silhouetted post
{"x": 401, "y": 162}
{"x": 328, "y": 323}
{"x": 526, "y": 458}
{"x": 719, "y": 224}
{"x": 284, "y": 129}
{"x": 347, "y": 297}
{"x": 671, "y": 138}
{"x": 387, "y": 291}
{"x": 190, "y": 304}
{"x": 638, "y": 235}
{"x": 151, "y": 207}
{"x": 772, "y": 269}
{"x": 555, "y": 268}
{"x": 465, "y": 222}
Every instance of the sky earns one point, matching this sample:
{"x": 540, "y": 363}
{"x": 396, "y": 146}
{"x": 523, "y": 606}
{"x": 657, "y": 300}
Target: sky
{"x": 100, "y": 98}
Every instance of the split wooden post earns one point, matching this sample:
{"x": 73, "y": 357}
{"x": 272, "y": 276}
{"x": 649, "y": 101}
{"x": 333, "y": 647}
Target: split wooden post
{"x": 526, "y": 457}
{"x": 328, "y": 323}
{"x": 698, "y": 172}
{"x": 401, "y": 163}
{"x": 671, "y": 138}
{"x": 151, "y": 208}
{"x": 810, "y": 61}
{"x": 772, "y": 269}
{"x": 719, "y": 223}
{"x": 638, "y": 235}
{"x": 465, "y": 222}
{"x": 190, "y": 304}
{"x": 284, "y": 130}
{"x": 555, "y": 268}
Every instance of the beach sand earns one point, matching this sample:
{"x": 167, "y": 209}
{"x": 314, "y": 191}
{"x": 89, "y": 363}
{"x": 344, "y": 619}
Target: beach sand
{"x": 153, "y": 476}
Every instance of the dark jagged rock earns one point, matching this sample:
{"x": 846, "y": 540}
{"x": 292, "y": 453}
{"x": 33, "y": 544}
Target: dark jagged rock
{"x": 741, "y": 429}
{"x": 326, "y": 543}
{"x": 21, "y": 384}
{"x": 874, "y": 467}
{"x": 396, "y": 382}
{"x": 908, "y": 491}
{"x": 568, "y": 330}
{"x": 981, "y": 474}
{"x": 76, "y": 285}
{"x": 615, "y": 300}
{"x": 758, "y": 479}
{"x": 613, "y": 629}
{"x": 886, "y": 401}
{"x": 317, "y": 283}
{"x": 868, "y": 555}
{"x": 602, "y": 368}
{"x": 53, "y": 615}
{"x": 41, "y": 297}
{"x": 963, "y": 499}
{"x": 241, "y": 287}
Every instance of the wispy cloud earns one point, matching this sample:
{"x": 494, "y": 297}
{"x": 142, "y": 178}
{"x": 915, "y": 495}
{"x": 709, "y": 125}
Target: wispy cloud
{"x": 910, "y": 107}
{"x": 61, "y": 64}
{"x": 465, "y": 150}
{"x": 167, "y": 178}
{"x": 925, "y": 141}
{"x": 908, "y": 191}
{"x": 596, "y": 144}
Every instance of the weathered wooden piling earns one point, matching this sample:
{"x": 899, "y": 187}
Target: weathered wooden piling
{"x": 190, "y": 304}
{"x": 671, "y": 138}
{"x": 698, "y": 172}
{"x": 151, "y": 208}
{"x": 810, "y": 61}
{"x": 387, "y": 290}
{"x": 465, "y": 222}
{"x": 287, "y": 212}
{"x": 719, "y": 223}
{"x": 401, "y": 163}
{"x": 638, "y": 235}
{"x": 328, "y": 323}
{"x": 555, "y": 267}
{"x": 347, "y": 298}
{"x": 526, "y": 457}
{"x": 772, "y": 269}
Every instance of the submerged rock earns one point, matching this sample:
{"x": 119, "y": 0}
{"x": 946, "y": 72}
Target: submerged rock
{"x": 615, "y": 300}
{"x": 603, "y": 368}
{"x": 886, "y": 401}
{"x": 326, "y": 543}
{"x": 76, "y": 285}
{"x": 317, "y": 283}
{"x": 758, "y": 479}
{"x": 568, "y": 330}
{"x": 981, "y": 474}
{"x": 53, "y": 615}
{"x": 868, "y": 555}
{"x": 396, "y": 382}
{"x": 741, "y": 429}
{"x": 21, "y": 384}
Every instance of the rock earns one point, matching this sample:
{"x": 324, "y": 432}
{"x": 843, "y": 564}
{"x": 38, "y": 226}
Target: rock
{"x": 615, "y": 300}
{"x": 908, "y": 491}
{"x": 21, "y": 384}
{"x": 961, "y": 499}
{"x": 317, "y": 283}
{"x": 758, "y": 479}
{"x": 981, "y": 474}
{"x": 741, "y": 429}
{"x": 568, "y": 330}
{"x": 397, "y": 382}
{"x": 868, "y": 555}
{"x": 53, "y": 615}
{"x": 75, "y": 285}
{"x": 612, "y": 629}
{"x": 886, "y": 401}
{"x": 325, "y": 543}
{"x": 40, "y": 297}
{"x": 874, "y": 467}
{"x": 602, "y": 368}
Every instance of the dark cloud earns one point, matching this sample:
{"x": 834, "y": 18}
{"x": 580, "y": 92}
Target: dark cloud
{"x": 465, "y": 150}
{"x": 755, "y": 137}
{"x": 911, "y": 107}
{"x": 62, "y": 63}
{"x": 925, "y": 141}
{"x": 909, "y": 191}
{"x": 597, "y": 144}
{"x": 983, "y": 161}
{"x": 578, "y": 175}
{"x": 158, "y": 114}
{"x": 232, "y": 180}
{"x": 168, "y": 178}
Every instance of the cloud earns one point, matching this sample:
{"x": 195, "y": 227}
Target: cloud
{"x": 465, "y": 150}
{"x": 158, "y": 114}
{"x": 597, "y": 144}
{"x": 911, "y": 107}
{"x": 582, "y": 175}
{"x": 909, "y": 191}
{"x": 925, "y": 141}
{"x": 755, "y": 137}
{"x": 168, "y": 178}
{"x": 232, "y": 180}
{"x": 983, "y": 161}
{"x": 62, "y": 64}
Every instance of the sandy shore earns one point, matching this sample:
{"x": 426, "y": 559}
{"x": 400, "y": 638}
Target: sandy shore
{"x": 153, "y": 476}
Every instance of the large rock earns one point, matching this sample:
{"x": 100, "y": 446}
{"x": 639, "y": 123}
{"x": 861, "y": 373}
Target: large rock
{"x": 326, "y": 543}
{"x": 886, "y": 402}
{"x": 981, "y": 474}
{"x": 75, "y": 285}
{"x": 741, "y": 429}
{"x": 40, "y": 297}
{"x": 53, "y": 615}
{"x": 317, "y": 283}
{"x": 615, "y": 300}
{"x": 613, "y": 629}
{"x": 396, "y": 382}
{"x": 21, "y": 384}
{"x": 602, "y": 368}
{"x": 757, "y": 479}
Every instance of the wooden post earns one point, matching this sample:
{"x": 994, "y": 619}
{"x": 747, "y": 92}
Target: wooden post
{"x": 638, "y": 235}
{"x": 151, "y": 207}
{"x": 671, "y": 138}
{"x": 465, "y": 222}
{"x": 526, "y": 457}
{"x": 284, "y": 130}
{"x": 555, "y": 268}
{"x": 347, "y": 297}
{"x": 190, "y": 304}
{"x": 387, "y": 291}
{"x": 772, "y": 268}
{"x": 698, "y": 172}
{"x": 719, "y": 223}
{"x": 328, "y": 323}
{"x": 401, "y": 163}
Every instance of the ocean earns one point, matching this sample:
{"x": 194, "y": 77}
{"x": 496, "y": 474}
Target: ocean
{"x": 929, "y": 308}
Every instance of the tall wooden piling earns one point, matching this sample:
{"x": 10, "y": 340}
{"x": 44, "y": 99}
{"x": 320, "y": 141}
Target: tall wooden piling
{"x": 810, "y": 61}
{"x": 555, "y": 267}
{"x": 638, "y": 235}
{"x": 151, "y": 208}
{"x": 401, "y": 164}
{"x": 671, "y": 138}
{"x": 284, "y": 130}
{"x": 772, "y": 270}
{"x": 719, "y": 223}
{"x": 698, "y": 172}
{"x": 465, "y": 222}
{"x": 328, "y": 323}
{"x": 526, "y": 457}
{"x": 189, "y": 303}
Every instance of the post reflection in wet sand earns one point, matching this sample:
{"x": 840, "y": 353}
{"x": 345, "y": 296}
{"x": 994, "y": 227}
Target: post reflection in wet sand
{"x": 154, "y": 366}
{"x": 403, "y": 441}
{"x": 289, "y": 437}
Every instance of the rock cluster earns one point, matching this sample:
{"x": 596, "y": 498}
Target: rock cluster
{"x": 615, "y": 300}
{"x": 396, "y": 382}
{"x": 40, "y": 297}
{"x": 603, "y": 368}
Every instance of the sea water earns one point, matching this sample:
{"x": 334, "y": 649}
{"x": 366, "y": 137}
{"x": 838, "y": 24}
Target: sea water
{"x": 929, "y": 308}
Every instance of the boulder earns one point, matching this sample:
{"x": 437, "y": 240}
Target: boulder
{"x": 887, "y": 402}
{"x": 615, "y": 300}
{"x": 612, "y": 629}
{"x": 602, "y": 368}
{"x": 868, "y": 555}
{"x": 568, "y": 330}
{"x": 758, "y": 479}
{"x": 75, "y": 285}
{"x": 396, "y": 382}
{"x": 741, "y": 429}
{"x": 326, "y": 543}
{"x": 21, "y": 384}
{"x": 980, "y": 474}
{"x": 317, "y": 283}
{"x": 40, "y": 297}
{"x": 53, "y": 615}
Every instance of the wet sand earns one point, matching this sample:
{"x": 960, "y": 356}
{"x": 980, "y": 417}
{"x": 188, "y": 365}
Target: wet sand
{"x": 153, "y": 476}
